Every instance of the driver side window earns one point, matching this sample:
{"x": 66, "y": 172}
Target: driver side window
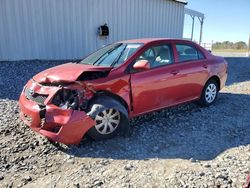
{"x": 157, "y": 56}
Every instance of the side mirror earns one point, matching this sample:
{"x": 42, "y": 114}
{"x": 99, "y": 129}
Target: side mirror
{"x": 141, "y": 65}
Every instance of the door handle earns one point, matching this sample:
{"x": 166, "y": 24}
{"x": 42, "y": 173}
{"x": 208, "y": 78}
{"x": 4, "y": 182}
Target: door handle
{"x": 205, "y": 66}
{"x": 174, "y": 72}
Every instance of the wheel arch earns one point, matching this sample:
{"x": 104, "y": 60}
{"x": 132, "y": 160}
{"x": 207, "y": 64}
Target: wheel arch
{"x": 103, "y": 93}
{"x": 214, "y": 77}
{"x": 217, "y": 79}
{"x": 103, "y": 100}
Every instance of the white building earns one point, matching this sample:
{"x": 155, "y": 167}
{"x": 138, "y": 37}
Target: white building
{"x": 68, "y": 29}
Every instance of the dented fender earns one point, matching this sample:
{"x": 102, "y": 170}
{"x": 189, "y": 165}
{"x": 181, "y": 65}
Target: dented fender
{"x": 119, "y": 86}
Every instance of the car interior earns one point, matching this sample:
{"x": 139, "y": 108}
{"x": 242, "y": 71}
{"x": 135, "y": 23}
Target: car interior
{"x": 157, "y": 56}
{"x": 188, "y": 53}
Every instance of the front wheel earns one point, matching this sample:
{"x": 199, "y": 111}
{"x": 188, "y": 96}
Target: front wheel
{"x": 111, "y": 117}
{"x": 209, "y": 93}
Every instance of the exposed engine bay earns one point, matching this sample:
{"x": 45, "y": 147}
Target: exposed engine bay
{"x": 92, "y": 75}
{"x": 70, "y": 99}
{"x": 76, "y": 98}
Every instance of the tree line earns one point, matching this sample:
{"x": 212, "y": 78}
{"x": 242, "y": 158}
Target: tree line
{"x": 230, "y": 45}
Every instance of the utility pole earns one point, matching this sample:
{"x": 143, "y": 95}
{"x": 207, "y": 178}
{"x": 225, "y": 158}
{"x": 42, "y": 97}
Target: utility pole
{"x": 192, "y": 34}
{"x": 201, "y": 30}
{"x": 249, "y": 46}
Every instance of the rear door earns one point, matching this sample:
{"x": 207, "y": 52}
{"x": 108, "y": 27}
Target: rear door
{"x": 191, "y": 70}
{"x": 154, "y": 88}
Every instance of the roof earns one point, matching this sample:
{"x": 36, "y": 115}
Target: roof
{"x": 149, "y": 40}
{"x": 181, "y": 1}
{"x": 194, "y": 13}
{"x": 142, "y": 40}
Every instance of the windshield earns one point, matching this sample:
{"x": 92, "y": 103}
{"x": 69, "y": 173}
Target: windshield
{"x": 112, "y": 55}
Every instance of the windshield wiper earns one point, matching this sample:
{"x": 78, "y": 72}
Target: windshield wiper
{"x": 108, "y": 52}
{"x": 118, "y": 57}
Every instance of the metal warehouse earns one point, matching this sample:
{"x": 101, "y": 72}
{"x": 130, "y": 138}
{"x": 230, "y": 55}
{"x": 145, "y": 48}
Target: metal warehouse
{"x": 70, "y": 29}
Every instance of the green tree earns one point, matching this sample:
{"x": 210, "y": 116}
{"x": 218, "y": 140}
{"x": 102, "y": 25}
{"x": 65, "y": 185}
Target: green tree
{"x": 230, "y": 45}
{"x": 240, "y": 45}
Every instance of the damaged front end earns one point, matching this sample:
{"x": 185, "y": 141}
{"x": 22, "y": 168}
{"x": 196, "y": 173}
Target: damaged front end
{"x": 70, "y": 99}
{"x": 57, "y": 111}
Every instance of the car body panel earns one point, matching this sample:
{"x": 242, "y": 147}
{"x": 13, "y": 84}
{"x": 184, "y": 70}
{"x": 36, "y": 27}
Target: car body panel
{"x": 190, "y": 79}
{"x": 66, "y": 73}
{"x": 153, "y": 89}
{"x": 141, "y": 92}
{"x": 116, "y": 84}
{"x": 72, "y": 125}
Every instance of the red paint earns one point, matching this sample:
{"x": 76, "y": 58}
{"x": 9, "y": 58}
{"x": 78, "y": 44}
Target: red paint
{"x": 141, "y": 65}
{"x": 145, "y": 91}
{"x": 65, "y": 73}
{"x": 247, "y": 184}
{"x": 73, "y": 124}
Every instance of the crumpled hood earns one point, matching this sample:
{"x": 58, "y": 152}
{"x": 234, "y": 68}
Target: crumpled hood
{"x": 66, "y": 73}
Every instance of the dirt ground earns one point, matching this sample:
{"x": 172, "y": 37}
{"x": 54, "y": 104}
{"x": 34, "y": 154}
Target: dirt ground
{"x": 184, "y": 146}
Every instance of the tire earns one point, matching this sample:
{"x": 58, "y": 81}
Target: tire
{"x": 111, "y": 118}
{"x": 209, "y": 93}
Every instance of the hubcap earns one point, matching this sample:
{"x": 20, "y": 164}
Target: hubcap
{"x": 107, "y": 121}
{"x": 211, "y": 92}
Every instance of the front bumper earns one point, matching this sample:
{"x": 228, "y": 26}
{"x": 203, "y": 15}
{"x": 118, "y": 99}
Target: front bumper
{"x": 59, "y": 125}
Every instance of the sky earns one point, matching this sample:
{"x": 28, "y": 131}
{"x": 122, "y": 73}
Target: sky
{"x": 225, "y": 20}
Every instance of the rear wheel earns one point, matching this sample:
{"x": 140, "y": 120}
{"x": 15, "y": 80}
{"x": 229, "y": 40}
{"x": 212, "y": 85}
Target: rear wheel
{"x": 111, "y": 117}
{"x": 209, "y": 93}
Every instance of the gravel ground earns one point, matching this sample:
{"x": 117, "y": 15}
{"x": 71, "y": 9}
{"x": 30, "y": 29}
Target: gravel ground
{"x": 184, "y": 146}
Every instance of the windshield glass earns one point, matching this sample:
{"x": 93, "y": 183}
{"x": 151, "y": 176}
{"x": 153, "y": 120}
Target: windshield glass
{"x": 112, "y": 55}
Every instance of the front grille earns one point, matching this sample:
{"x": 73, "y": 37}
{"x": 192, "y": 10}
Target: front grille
{"x": 38, "y": 98}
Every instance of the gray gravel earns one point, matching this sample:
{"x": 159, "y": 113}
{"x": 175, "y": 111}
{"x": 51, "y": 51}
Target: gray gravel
{"x": 184, "y": 146}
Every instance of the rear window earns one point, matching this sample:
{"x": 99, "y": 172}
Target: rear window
{"x": 188, "y": 53}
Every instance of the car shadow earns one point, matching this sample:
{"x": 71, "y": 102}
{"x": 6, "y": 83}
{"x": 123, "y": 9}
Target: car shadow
{"x": 184, "y": 132}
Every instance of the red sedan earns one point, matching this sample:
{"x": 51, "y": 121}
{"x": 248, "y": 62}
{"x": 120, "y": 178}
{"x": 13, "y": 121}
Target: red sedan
{"x": 99, "y": 94}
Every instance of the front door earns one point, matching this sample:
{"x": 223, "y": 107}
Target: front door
{"x": 154, "y": 88}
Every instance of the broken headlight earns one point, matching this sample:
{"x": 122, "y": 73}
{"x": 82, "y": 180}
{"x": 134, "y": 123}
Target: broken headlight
{"x": 70, "y": 99}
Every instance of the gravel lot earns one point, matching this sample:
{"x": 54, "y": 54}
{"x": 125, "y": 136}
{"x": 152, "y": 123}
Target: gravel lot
{"x": 184, "y": 146}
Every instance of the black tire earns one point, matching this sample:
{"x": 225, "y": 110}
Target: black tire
{"x": 204, "y": 97}
{"x": 105, "y": 103}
